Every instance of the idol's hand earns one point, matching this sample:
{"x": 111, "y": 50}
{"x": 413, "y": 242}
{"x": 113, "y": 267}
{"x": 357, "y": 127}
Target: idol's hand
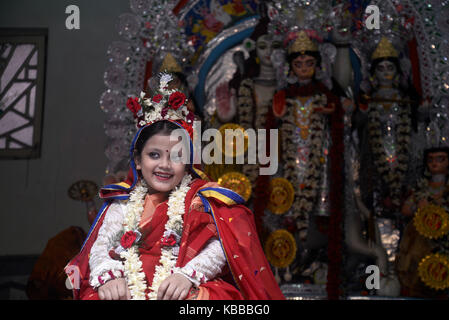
{"x": 116, "y": 289}
{"x": 325, "y": 109}
{"x": 175, "y": 287}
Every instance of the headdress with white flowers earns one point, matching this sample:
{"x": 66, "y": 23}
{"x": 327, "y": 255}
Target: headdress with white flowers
{"x": 166, "y": 104}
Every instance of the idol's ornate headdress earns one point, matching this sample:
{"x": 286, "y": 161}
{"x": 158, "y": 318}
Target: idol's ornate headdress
{"x": 385, "y": 49}
{"x": 166, "y": 104}
{"x": 302, "y": 43}
{"x": 169, "y": 64}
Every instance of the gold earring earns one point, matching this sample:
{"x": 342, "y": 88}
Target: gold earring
{"x": 257, "y": 60}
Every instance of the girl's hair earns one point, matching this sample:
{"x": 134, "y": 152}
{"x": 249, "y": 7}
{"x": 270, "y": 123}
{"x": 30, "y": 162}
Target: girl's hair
{"x": 161, "y": 127}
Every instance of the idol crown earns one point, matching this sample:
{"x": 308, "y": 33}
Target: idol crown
{"x": 384, "y": 49}
{"x": 166, "y": 104}
{"x": 302, "y": 43}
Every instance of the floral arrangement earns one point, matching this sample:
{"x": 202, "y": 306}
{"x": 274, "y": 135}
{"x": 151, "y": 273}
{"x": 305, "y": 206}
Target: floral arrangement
{"x": 167, "y": 104}
{"x": 170, "y": 241}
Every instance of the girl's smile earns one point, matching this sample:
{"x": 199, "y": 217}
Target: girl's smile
{"x": 159, "y": 164}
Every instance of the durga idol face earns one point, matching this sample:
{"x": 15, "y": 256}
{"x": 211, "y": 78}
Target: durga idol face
{"x": 304, "y": 67}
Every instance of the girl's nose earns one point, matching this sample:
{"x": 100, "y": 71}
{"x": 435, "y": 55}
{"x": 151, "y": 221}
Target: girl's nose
{"x": 165, "y": 162}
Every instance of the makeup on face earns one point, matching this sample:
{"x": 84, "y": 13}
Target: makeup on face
{"x": 304, "y": 67}
{"x": 161, "y": 168}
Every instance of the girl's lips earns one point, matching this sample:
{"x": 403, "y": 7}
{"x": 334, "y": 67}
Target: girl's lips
{"x": 163, "y": 176}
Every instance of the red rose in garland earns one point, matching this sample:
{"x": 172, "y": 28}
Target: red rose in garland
{"x": 176, "y": 100}
{"x": 157, "y": 98}
{"x": 128, "y": 239}
{"x": 169, "y": 241}
{"x": 133, "y": 105}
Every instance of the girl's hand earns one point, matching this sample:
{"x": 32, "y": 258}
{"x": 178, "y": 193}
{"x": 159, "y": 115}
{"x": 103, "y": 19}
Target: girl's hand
{"x": 175, "y": 287}
{"x": 116, "y": 289}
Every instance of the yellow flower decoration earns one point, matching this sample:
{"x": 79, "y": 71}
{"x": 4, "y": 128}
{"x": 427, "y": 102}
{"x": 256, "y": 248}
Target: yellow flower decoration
{"x": 280, "y": 248}
{"x": 237, "y": 182}
{"x": 282, "y": 195}
{"x": 431, "y": 221}
{"x": 434, "y": 271}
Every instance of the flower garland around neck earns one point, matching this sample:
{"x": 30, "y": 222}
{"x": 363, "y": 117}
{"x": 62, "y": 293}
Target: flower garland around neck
{"x": 392, "y": 177}
{"x": 170, "y": 242}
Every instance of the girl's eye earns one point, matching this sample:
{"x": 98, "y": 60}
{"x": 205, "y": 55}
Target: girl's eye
{"x": 262, "y": 46}
{"x": 154, "y": 155}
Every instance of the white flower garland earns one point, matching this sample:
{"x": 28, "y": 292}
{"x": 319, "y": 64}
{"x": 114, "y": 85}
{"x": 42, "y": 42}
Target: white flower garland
{"x": 176, "y": 208}
{"x": 155, "y": 112}
{"x": 133, "y": 266}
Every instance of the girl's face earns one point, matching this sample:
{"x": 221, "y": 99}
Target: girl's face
{"x": 161, "y": 168}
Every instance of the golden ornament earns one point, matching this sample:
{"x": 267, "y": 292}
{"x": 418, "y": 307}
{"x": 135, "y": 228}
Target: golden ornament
{"x": 434, "y": 271}
{"x": 237, "y": 182}
{"x": 431, "y": 221}
{"x": 170, "y": 64}
{"x": 230, "y": 142}
{"x": 384, "y": 49}
{"x": 302, "y": 44}
{"x": 282, "y": 195}
{"x": 280, "y": 248}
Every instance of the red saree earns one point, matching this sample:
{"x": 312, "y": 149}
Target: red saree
{"x": 249, "y": 275}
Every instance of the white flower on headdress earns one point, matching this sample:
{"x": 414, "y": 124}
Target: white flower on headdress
{"x": 165, "y": 79}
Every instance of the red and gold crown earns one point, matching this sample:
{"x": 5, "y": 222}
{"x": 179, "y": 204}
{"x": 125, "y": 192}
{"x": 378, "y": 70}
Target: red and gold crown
{"x": 166, "y": 104}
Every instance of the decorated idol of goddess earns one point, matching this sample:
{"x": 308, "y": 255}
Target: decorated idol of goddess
{"x": 385, "y": 135}
{"x": 256, "y": 84}
{"x": 310, "y": 119}
{"x": 423, "y": 259}
{"x": 165, "y": 233}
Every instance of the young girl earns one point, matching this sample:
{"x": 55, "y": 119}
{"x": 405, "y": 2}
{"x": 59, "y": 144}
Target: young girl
{"x": 165, "y": 233}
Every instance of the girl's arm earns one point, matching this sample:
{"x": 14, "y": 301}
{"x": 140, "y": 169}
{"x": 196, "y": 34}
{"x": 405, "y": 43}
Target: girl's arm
{"x": 207, "y": 265}
{"x": 102, "y": 266}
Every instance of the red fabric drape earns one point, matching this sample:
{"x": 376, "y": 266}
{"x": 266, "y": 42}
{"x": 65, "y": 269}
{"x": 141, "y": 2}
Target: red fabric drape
{"x": 414, "y": 59}
{"x": 251, "y": 270}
